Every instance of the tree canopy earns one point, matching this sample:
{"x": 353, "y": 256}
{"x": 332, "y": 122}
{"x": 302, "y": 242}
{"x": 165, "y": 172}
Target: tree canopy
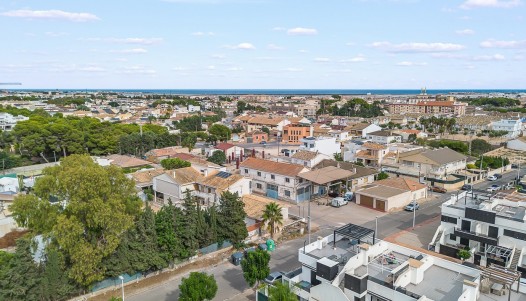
{"x": 220, "y": 131}
{"x": 218, "y": 157}
{"x": 198, "y": 287}
{"x": 174, "y": 163}
{"x": 93, "y": 207}
{"x": 281, "y": 292}
{"x": 232, "y": 225}
{"x": 255, "y": 266}
{"x": 272, "y": 217}
{"x": 358, "y": 107}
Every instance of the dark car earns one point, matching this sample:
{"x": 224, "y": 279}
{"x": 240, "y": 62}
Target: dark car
{"x": 498, "y": 175}
{"x": 467, "y": 187}
{"x": 263, "y": 142}
{"x": 333, "y": 194}
{"x": 438, "y": 189}
{"x": 514, "y": 165}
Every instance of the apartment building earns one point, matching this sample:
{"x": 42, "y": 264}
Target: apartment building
{"x": 512, "y": 126}
{"x": 351, "y": 265}
{"x": 8, "y": 121}
{"x": 276, "y": 180}
{"x": 428, "y": 107}
{"x": 293, "y": 133}
{"x": 384, "y": 137}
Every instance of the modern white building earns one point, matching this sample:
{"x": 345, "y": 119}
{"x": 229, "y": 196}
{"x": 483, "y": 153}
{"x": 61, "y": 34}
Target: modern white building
{"x": 350, "y": 265}
{"x": 323, "y": 145}
{"x": 192, "y": 108}
{"x": 512, "y": 126}
{"x": 491, "y": 226}
{"x": 384, "y": 137}
{"x": 8, "y": 121}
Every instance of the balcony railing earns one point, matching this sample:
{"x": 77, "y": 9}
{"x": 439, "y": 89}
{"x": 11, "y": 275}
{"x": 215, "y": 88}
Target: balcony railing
{"x": 476, "y": 236}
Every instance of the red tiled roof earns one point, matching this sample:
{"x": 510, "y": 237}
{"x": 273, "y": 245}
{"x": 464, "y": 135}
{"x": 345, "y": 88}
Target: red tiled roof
{"x": 224, "y": 146}
{"x": 285, "y": 169}
{"x": 401, "y": 183}
{"x": 372, "y": 145}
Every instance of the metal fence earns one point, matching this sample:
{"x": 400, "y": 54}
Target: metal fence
{"x": 109, "y": 282}
{"x": 215, "y": 247}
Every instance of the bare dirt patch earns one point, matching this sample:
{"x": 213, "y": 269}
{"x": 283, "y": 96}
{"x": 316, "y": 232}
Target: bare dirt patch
{"x": 9, "y": 240}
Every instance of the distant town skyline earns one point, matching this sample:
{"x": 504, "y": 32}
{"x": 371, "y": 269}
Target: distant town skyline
{"x": 264, "y": 44}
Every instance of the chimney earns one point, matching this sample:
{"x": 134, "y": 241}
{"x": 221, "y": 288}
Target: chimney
{"x": 241, "y": 156}
{"x": 173, "y": 173}
{"x": 205, "y": 172}
{"x": 263, "y": 154}
{"x": 253, "y": 153}
{"x": 237, "y": 163}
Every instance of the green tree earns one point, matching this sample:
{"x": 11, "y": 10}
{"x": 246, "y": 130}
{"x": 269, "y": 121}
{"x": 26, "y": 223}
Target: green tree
{"x": 480, "y": 146}
{"x": 190, "y": 223}
{"x": 338, "y": 157}
{"x": 218, "y": 157}
{"x": 411, "y": 138}
{"x": 174, "y": 163}
{"x": 198, "y": 287}
{"x": 170, "y": 245}
{"x": 464, "y": 254}
{"x": 231, "y": 219}
{"x": 266, "y": 130}
{"x": 189, "y": 141}
{"x": 272, "y": 217}
{"x": 255, "y": 266}
{"x": 281, "y": 292}
{"x": 55, "y": 283}
{"x": 95, "y": 206}
{"x": 382, "y": 176}
{"x": 220, "y": 131}
{"x": 22, "y": 279}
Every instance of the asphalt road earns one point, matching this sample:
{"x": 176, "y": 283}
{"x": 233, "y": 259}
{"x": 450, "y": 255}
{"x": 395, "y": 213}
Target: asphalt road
{"x": 230, "y": 279}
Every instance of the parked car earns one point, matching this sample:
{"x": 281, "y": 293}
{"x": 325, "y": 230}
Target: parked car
{"x": 412, "y": 207}
{"x": 338, "y": 202}
{"x": 493, "y": 188}
{"x": 492, "y": 178}
{"x": 348, "y": 196}
{"x": 467, "y": 187}
{"x": 333, "y": 194}
{"x": 498, "y": 175}
{"x": 438, "y": 189}
{"x": 514, "y": 165}
{"x": 273, "y": 277}
{"x": 263, "y": 142}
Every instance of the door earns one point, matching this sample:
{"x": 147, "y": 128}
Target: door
{"x": 272, "y": 191}
{"x": 366, "y": 201}
{"x": 380, "y": 205}
{"x": 466, "y": 225}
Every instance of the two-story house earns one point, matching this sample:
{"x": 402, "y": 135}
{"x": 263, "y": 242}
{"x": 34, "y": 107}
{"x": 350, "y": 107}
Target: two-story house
{"x": 512, "y": 126}
{"x": 276, "y": 180}
{"x": 371, "y": 154}
{"x": 308, "y": 159}
{"x": 384, "y": 137}
{"x": 323, "y": 145}
{"x": 436, "y": 163}
{"x": 210, "y": 188}
{"x": 173, "y": 184}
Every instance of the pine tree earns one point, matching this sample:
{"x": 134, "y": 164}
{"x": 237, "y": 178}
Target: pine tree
{"x": 231, "y": 219}
{"x": 190, "y": 225}
{"x": 165, "y": 228}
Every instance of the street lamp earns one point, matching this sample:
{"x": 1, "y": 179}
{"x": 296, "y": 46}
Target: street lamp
{"x": 414, "y": 205}
{"x": 122, "y": 286}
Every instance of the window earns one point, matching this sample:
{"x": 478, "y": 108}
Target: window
{"x": 272, "y": 177}
{"x": 259, "y": 186}
{"x": 287, "y": 180}
{"x": 246, "y": 171}
{"x": 453, "y": 237}
{"x": 259, "y": 173}
{"x": 287, "y": 193}
{"x": 300, "y": 180}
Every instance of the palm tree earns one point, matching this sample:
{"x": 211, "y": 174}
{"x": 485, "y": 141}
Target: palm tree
{"x": 273, "y": 217}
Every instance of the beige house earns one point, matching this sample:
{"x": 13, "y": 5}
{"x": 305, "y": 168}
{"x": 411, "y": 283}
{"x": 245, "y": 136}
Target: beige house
{"x": 388, "y": 194}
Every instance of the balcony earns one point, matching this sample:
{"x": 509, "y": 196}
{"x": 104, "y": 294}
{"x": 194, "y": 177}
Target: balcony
{"x": 476, "y": 236}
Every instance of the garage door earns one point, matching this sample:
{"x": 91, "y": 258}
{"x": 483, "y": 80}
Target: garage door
{"x": 366, "y": 201}
{"x": 380, "y": 205}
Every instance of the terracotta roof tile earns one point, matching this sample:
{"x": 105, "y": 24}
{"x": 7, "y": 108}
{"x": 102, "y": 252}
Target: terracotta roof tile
{"x": 372, "y": 145}
{"x": 401, "y": 183}
{"x": 126, "y": 161}
{"x": 304, "y": 155}
{"x": 224, "y": 146}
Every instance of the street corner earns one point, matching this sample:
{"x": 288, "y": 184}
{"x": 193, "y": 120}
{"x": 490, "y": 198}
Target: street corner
{"x": 417, "y": 237}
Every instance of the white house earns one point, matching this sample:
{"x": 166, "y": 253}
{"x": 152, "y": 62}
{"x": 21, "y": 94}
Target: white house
{"x": 362, "y": 129}
{"x": 8, "y": 121}
{"x": 192, "y": 108}
{"x": 173, "y": 184}
{"x": 384, "y": 137}
{"x": 276, "y": 180}
{"x": 388, "y": 194}
{"x": 323, "y": 145}
{"x": 339, "y": 135}
{"x": 308, "y": 159}
{"x": 211, "y": 187}
{"x": 512, "y": 126}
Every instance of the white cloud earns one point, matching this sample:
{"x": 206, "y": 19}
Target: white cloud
{"x": 490, "y": 3}
{"x": 201, "y": 34}
{"x": 322, "y": 59}
{"x": 274, "y": 47}
{"x": 131, "y": 51}
{"x": 503, "y": 44}
{"x": 292, "y": 69}
{"x": 495, "y": 57}
{"x": 55, "y": 34}
{"x": 417, "y": 47}
{"x": 356, "y": 59}
{"x": 465, "y": 32}
{"x": 242, "y": 46}
{"x": 50, "y": 15}
{"x": 409, "y": 64}
{"x": 301, "y": 31}
{"x": 211, "y": 67}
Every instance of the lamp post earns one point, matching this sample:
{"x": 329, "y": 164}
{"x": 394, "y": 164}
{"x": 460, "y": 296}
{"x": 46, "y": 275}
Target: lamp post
{"x": 122, "y": 286}
{"x": 414, "y": 205}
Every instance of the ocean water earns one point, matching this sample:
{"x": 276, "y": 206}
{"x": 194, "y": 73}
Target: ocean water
{"x": 284, "y": 91}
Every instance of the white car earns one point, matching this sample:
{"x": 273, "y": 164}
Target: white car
{"x": 493, "y": 188}
{"x": 492, "y": 178}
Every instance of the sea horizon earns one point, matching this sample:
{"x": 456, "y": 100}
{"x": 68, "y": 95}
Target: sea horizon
{"x": 282, "y": 91}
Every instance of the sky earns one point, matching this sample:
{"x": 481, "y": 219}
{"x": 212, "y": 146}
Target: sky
{"x": 263, "y": 44}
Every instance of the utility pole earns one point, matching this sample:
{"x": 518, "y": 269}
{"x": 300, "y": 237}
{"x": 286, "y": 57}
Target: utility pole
{"x": 414, "y": 205}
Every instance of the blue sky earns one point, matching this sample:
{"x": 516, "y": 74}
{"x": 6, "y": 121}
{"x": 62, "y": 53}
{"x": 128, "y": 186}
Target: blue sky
{"x": 265, "y": 44}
